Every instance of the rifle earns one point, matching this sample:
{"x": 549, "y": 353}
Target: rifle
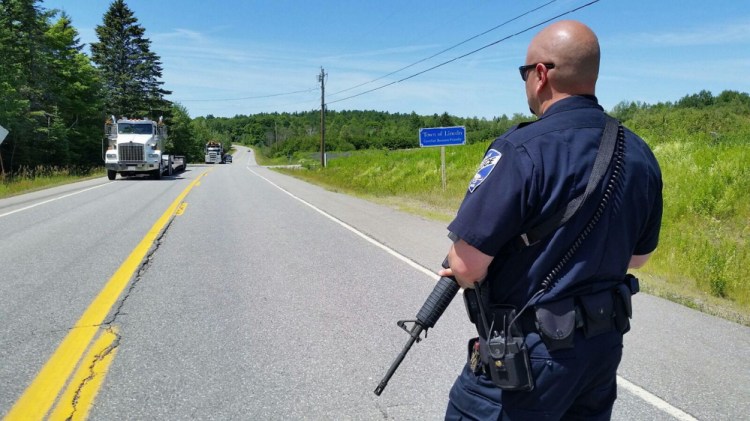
{"x": 431, "y": 310}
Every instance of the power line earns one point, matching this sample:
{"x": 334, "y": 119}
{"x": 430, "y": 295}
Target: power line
{"x": 248, "y": 97}
{"x": 467, "y": 54}
{"x": 447, "y": 49}
{"x": 382, "y": 77}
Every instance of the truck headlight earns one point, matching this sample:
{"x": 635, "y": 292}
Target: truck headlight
{"x": 111, "y": 156}
{"x": 153, "y": 155}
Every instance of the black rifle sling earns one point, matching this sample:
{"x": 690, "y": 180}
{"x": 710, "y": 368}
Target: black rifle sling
{"x": 603, "y": 159}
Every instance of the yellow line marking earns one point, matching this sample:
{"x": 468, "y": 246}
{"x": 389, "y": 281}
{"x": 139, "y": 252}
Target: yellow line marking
{"x": 181, "y": 209}
{"x": 38, "y": 398}
{"x": 203, "y": 175}
{"x": 75, "y": 403}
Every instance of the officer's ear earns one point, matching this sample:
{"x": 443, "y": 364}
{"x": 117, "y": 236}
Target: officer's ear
{"x": 542, "y": 76}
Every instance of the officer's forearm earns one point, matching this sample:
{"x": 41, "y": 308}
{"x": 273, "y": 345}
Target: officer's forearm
{"x": 469, "y": 265}
{"x": 637, "y": 261}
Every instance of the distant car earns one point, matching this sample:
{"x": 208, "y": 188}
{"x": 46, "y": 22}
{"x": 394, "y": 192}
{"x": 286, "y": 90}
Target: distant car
{"x": 227, "y": 159}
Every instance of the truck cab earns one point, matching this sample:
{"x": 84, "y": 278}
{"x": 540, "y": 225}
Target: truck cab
{"x": 134, "y": 146}
{"x": 214, "y": 153}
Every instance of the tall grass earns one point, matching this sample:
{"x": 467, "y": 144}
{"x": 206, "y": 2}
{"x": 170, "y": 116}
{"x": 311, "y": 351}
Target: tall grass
{"x": 27, "y": 179}
{"x": 705, "y": 161}
{"x": 412, "y": 175}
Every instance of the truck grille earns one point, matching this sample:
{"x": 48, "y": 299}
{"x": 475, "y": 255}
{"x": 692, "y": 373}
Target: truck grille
{"x": 131, "y": 153}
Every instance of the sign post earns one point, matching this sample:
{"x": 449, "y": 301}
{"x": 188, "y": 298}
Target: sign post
{"x": 442, "y": 136}
{"x": 3, "y": 133}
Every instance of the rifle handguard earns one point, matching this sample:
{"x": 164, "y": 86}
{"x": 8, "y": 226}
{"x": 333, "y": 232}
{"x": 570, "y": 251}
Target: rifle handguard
{"x": 436, "y": 303}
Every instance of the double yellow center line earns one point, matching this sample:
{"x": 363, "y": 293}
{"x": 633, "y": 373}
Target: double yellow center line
{"x": 46, "y": 390}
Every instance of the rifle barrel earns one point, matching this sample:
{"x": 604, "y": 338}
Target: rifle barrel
{"x": 413, "y": 335}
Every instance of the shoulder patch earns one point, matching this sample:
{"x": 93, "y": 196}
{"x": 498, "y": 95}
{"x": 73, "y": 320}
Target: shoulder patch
{"x": 491, "y": 158}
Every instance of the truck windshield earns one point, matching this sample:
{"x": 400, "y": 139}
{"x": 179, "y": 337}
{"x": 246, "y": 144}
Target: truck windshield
{"x": 135, "y": 128}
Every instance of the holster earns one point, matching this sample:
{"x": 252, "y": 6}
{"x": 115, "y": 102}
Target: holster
{"x": 623, "y": 302}
{"x": 471, "y": 301}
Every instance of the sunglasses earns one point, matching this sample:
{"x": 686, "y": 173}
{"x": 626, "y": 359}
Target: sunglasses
{"x": 524, "y": 70}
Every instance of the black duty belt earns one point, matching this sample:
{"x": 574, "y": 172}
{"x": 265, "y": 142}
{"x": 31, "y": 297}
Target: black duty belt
{"x": 528, "y": 324}
{"x": 595, "y": 314}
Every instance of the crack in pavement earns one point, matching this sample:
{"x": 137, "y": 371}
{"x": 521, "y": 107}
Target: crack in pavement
{"x": 142, "y": 269}
{"x": 107, "y": 325}
{"x": 92, "y": 373}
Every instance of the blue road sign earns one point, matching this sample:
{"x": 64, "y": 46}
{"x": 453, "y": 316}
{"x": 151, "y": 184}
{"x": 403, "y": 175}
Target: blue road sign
{"x": 442, "y": 136}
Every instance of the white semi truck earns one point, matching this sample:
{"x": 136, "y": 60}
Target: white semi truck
{"x": 135, "y": 146}
{"x": 214, "y": 152}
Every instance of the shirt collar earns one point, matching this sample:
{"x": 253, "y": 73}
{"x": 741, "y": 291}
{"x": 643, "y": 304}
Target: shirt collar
{"x": 572, "y": 103}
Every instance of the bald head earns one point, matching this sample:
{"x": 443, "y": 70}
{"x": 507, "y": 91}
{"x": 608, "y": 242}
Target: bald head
{"x": 574, "y": 49}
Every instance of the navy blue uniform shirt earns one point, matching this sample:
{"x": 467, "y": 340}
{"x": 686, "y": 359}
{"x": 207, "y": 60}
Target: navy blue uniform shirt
{"x": 531, "y": 172}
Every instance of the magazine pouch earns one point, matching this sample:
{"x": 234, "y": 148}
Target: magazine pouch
{"x": 598, "y": 311}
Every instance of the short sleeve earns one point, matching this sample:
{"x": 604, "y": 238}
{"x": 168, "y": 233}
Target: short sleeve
{"x": 649, "y": 238}
{"x": 496, "y": 200}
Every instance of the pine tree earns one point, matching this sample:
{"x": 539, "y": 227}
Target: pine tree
{"x": 77, "y": 93}
{"x": 130, "y": 71}
{"x": 24, "y": 80}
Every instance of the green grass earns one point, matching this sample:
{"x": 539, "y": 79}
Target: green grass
{"x": 410, "y": 177}
{"x": 708, "y": 210}
{"x": 702, "y": 260}
{"x": 28, "y": 180}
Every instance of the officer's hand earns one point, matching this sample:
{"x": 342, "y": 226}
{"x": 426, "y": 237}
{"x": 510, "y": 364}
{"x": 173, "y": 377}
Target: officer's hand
{"x": 448, "y": 273}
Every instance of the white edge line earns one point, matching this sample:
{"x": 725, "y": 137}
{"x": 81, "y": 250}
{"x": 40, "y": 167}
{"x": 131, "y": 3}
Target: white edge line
{"x": 654, "y": 400}
{"x": 372, "y": 241}
{"x": 632, "y": 388}
{"x": 52, "y": 200}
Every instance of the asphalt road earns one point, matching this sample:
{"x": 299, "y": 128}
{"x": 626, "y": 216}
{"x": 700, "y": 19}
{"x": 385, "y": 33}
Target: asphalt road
{"x": 268, "y": 298}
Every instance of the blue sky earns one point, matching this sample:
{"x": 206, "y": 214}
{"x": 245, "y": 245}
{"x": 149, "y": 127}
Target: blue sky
{"x": 235, "y": 57}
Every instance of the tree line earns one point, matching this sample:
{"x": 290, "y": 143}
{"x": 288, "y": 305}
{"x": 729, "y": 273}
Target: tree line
{"x": 285, "y": 134}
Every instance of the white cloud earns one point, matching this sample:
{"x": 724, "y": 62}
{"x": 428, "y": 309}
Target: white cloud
{"x": 714, "y": 34}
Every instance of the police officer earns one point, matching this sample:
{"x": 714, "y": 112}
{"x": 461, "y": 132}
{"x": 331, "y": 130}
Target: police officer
{"x": 528, "y": 175}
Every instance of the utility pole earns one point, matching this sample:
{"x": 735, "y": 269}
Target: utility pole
{"x": 321, "y": 79}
